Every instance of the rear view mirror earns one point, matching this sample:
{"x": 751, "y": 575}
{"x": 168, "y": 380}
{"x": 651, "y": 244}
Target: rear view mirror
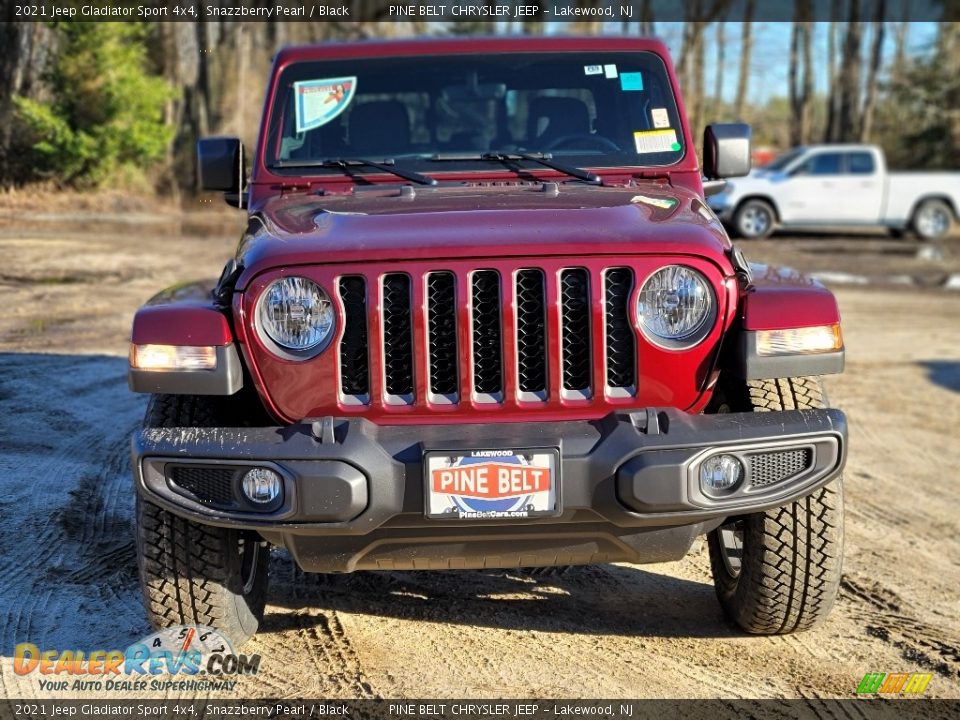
{"x": 222, "y": 166}
{"x": 726, "y": 150}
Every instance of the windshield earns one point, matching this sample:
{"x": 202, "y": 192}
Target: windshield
{"x": 784, "y": 159}
{"x": 589, "y": 109}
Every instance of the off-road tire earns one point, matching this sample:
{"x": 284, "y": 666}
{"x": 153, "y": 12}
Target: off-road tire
{"x": 791, "y": 556}
{"x": 754, "y": 220}
{"x": 195, "y": 574}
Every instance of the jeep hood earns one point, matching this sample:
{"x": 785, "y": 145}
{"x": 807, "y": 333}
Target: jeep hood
{"x": 397, "y": 223}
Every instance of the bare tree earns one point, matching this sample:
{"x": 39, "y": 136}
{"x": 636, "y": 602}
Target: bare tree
{"x": 699, "y": 14}
{"x": 721, "y": 61}
{"x": 847, "y": 127}
{"x": 746, "y": 46}
{"x": 833, "y": 94}
{"x": 801, "y": 88}
{"x": 876, "y": 58}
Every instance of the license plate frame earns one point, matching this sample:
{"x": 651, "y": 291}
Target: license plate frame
{"x": 517, "y": 504}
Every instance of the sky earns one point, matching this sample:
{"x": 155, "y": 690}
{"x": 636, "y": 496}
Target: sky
{"x": 771, "y": 53}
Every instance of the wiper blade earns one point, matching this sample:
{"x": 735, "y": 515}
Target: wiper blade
{"x": 545, "y": 159}
{"x": 345, "y": 163}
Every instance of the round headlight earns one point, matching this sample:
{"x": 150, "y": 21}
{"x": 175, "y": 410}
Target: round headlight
{"x": 676, "y": 306}
{"x": 296, "y": 314}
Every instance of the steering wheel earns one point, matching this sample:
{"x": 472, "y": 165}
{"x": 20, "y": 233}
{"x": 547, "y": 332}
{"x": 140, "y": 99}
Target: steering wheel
{"x": 598, "y": 140}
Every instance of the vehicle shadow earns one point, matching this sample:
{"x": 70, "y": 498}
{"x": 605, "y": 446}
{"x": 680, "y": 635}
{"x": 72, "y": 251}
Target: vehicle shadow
{"x": 66, "y": 485}
{"x": 595, "y": 600}
{"x": 945, "y": 373}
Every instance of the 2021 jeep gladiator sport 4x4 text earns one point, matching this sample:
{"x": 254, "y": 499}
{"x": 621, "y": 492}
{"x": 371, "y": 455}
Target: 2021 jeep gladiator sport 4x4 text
{"x": 481, "y": 317}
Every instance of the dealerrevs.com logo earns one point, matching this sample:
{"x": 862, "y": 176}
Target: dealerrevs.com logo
{"x": 203, "y": 655}
{"x": 894, "y": 683}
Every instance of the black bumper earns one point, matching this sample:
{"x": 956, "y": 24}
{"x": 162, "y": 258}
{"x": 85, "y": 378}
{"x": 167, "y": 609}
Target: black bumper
{"x": 628, "y": 485}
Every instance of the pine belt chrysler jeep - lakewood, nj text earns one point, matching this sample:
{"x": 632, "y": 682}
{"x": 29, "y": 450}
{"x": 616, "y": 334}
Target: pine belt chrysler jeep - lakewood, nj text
{"x": 482, "y": 317}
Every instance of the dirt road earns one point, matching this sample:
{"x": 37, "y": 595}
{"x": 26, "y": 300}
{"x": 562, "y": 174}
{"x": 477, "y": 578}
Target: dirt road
{"x": 67, "y": 563}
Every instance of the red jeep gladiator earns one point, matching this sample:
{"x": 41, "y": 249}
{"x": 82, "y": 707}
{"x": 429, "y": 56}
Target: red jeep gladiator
{"x": 482, "y": 317}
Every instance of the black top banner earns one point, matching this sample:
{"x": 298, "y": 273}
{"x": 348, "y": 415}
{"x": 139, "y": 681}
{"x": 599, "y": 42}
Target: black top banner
{"x": 598, "y": 11}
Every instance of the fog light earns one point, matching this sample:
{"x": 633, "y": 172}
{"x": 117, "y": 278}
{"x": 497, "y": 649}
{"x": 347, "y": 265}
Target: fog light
{"x": 262, "y": 485}
{"x": 720, "y": 473}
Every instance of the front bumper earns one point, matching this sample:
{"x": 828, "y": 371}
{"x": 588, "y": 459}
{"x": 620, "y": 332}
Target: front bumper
{"x": 628, "y": 485}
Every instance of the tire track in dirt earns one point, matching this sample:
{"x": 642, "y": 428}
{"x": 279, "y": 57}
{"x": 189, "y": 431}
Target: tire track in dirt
{"x": 309, "y": 636}
{"x": 884, "y": 617}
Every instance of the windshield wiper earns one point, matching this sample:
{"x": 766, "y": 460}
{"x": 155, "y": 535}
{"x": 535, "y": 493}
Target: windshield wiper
{"x": 545, "y": 159}
{"x": 346, "y": 163}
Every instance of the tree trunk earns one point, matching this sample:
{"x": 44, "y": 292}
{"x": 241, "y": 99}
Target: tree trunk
{"x": 746, "y": 46}
{"x": 833, "y": 89}
{"x": 848, "y": 117}
{"x": 876, "y": 57}
{"x": 801, "y": 87}
{"x": 721, "y": 61}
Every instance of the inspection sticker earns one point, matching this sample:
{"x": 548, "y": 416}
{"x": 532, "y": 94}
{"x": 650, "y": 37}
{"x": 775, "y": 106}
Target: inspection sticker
{"x": 660, "y": 118}
{"x": 610, "y": 71}
{"x": 655, "y": 141}
{"x": 320, "y": 101}
{"x": 593, "y": 69}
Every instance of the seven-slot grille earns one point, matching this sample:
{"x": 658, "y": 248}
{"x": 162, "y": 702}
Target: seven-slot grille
{"x": 507, "y": 320}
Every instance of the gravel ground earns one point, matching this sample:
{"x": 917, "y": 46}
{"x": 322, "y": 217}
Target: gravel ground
{"x": 67, "y": 562}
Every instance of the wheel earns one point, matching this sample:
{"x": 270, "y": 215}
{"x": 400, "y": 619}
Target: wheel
{"x": 931, "y": 219}
{"x": 778, "y": 571}
{"x": 754, "y": 220}
{"x": 195, "y": 574}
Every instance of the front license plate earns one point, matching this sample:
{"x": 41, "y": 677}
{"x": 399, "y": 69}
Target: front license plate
{"x": 492, "y": 484}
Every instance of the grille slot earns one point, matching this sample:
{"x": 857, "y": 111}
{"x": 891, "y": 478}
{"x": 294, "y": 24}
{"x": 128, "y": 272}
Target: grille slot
{"x": 442, "y": 335}
{"x": 397, "y": 338}
{"x": 209, "y": 485}
{"x": 487, "y": 352}
{"x": 621, "y": 348}
{"x": 531, "y": 333}
{"x": 773, "y": 467}
{"x": 354, "y": 364}
{"x": 575, "y": 335}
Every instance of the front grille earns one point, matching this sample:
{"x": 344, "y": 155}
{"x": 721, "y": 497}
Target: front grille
{"x": 209, "y": 485}
{"x": 531, "y": 333}
{"x": 575, "y": 338}
{"x": 621, "y": 348}
{"x": 487, "y": 352}
{"x": 442, "y": 334}
{"x": 397, "y": 336}
{"x": 354, "y": 364}
{"x": 464, "y": 336}
{"x": 773, "y": 467}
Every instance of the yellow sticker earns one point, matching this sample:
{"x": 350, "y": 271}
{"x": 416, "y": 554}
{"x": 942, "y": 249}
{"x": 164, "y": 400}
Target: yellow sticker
{"x": 656, "y": 141}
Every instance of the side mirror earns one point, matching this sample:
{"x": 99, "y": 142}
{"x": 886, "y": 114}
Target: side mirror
{"x": 222, "y": 166}
{"x": 726, "y": 150}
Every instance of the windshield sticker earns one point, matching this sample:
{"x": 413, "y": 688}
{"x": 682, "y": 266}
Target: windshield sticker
{"x": 320, "y": 101}
{"x": 662, "y": 203}
{"x": 631, "y": 81}
{"x": 660, "y": 118}
{"x": 593, "y": 69}
{"x": 656, "y": 141}
{"x": 610, "y": 71}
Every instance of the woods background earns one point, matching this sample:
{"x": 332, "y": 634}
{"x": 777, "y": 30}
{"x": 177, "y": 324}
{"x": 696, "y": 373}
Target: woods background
{"x": 88, "y": 105}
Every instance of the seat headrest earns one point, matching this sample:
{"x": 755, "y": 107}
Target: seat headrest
{"x": 552, "y": 117}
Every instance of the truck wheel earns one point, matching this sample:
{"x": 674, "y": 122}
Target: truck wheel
{"x": 931, "y": 219}
{"x": 754, "y": 220}
{"x": 778, "y": 571}
{"x": 195, "y": 574}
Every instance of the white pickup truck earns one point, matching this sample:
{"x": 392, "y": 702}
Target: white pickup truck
{"x": 833, "y": 185}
